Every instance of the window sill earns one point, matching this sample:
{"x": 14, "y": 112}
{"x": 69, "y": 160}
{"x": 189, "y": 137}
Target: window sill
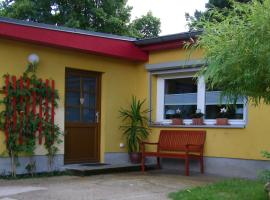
{"x": 232, "y": 126}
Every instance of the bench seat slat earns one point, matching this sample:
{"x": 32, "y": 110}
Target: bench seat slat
{"x": 169, "y": 155}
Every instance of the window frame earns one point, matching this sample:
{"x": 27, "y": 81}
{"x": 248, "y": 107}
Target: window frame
{"x": 201, "y": 95}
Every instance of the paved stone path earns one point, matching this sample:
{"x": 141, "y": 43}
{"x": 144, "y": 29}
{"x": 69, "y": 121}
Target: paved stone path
{"x": 153, "y": 185}
{"x": 12, "y": 190}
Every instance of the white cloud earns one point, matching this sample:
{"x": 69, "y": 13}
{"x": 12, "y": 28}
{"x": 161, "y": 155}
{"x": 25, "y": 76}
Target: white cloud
{"x": 170, "y": 12}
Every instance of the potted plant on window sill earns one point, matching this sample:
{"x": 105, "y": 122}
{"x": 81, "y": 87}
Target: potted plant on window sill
{"x": 222, "y": 117}
{"x": 197, "y": 118}
{"x": 135, "y": 128}
{"x": 177, "y": 118}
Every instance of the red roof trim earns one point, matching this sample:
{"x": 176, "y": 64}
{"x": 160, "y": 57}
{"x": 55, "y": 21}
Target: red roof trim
{"x": 163, "y": 46}
{"x": 86, "y": 43}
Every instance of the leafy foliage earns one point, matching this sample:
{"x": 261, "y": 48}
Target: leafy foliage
{"x": 224, "y": 5}
{"x": 147, "y": 26}
{"x": 28, "y": 124}
{"x": 135, "y": 127}
{"x": 95, "y": 15}
{"x": 237, "y": 52}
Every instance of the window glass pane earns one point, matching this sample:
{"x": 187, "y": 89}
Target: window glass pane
{"x": 180, "y": 85}
{"x": 214, "y": 103}
{"x": 214, "y": 97}
{"x": 233, "y": 111}
{"x": 72, "y": 114}
{"x": 180, "y": 94}
{"x": 186, "y": 110}
{"x": 89, "y": 115}
{"x": 73, "y": 99}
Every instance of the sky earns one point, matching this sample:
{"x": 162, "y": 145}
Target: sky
{"x": 170, "y": 12}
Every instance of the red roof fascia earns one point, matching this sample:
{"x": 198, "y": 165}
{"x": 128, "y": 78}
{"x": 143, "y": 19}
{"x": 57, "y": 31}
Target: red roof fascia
{"x": 163, "y": 46}
{"x": 86, "y": 43}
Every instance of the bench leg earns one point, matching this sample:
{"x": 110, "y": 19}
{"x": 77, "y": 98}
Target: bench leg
{"x": 158, "y": 163}
{"x": 142, "y": 164}
{"x": 187, "y": 166}
{"x": 202, "y": 164}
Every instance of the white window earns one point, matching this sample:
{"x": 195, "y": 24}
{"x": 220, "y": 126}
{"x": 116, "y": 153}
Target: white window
{"x": 188, "y": 94}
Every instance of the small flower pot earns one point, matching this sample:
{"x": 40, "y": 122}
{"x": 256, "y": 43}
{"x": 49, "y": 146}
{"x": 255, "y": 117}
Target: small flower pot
{"x": 222, "y": 121}
{"x": 177, "y": 121}
{"x": 197, "y": 121}
{"x": 135, "y": 157}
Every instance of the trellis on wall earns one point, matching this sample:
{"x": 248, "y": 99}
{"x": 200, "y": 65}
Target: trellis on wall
{"x": 23, "y": 99}
{"x": 28, "y": 115}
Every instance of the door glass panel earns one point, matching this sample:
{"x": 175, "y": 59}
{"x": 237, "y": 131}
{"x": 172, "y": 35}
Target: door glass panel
{"x": 73, "y": 114}
{"x": 89, "y": 115}
{"x": 89, "y": 100}
{"x": 81, "y": 98}
{"x": 73, "y": 82}
{"x": 73, "y": 99}
{"x": 89, "y": 85}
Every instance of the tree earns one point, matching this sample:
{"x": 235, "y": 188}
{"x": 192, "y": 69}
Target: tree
{"x": 223, "y": 5}
{"x": 95, "y": 15}
{"x": 147, "y": 26}
{"x": 237, "y": 51}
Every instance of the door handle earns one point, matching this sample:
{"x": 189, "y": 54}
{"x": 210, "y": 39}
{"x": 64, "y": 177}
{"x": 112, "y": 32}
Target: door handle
{"x": 97, "y": 117}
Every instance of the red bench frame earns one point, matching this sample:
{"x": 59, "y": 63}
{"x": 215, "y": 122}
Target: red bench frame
{"x": 182, "y": 144}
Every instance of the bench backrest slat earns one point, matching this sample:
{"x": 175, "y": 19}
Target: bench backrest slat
{"x": 175, "y": 140}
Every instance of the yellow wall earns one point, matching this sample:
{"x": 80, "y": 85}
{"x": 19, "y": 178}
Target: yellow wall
{"x": 173, "y": 55}
{"x": 119, "y": 82}
{"x": 244, "y": 143}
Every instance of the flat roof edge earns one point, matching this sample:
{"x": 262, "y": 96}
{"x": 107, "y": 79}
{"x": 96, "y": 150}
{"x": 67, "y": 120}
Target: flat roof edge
{"x": 64, "y": 29}
{"x": 168, "y": 38}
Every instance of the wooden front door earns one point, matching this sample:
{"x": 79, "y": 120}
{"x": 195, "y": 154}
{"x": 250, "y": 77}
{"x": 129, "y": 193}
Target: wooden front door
{"x": 82, "y": 116}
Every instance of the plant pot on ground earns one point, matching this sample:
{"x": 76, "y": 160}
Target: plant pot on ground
{"x": 222, "y": 118}
{"x": 135, "y": 157}
{"x": 135, "y": 127}
{"x": 197, "y": 118}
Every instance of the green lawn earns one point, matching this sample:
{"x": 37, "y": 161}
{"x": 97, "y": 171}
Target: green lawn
{"x": 233, "y": 189}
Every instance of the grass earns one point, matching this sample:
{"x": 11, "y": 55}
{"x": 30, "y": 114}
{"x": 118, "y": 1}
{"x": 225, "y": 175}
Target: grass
{"x": 233, "y": 189}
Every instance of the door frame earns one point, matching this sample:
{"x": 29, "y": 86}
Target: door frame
{"x": 86, "y": 73}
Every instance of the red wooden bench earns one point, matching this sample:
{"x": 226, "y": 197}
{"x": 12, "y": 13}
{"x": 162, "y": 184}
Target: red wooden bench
{"x": 182, "y": 144}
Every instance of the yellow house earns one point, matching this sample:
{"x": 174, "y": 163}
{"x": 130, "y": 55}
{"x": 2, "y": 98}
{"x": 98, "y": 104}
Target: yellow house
{"x": 96, "y": 74}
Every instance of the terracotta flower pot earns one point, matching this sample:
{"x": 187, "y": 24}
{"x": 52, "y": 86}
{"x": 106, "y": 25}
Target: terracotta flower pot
{"x": 222, "y": 121}
{"x": 197, "y": 121}
{"x": 135, "y": 157}
{"x": 177, "y": 121}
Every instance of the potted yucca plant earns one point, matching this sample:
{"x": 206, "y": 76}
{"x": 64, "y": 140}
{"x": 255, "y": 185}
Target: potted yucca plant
{"x": 177, "y": 118}
{"x": 222, "y": 118}
{"x": 135, "y": 127}
{"x": 197, "y": 118}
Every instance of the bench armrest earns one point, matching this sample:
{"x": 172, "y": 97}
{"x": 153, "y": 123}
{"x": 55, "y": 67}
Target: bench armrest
{"x": 142, "y": 144}
{"x": 194, "y": 145}
{"x": 150, "y": 143}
